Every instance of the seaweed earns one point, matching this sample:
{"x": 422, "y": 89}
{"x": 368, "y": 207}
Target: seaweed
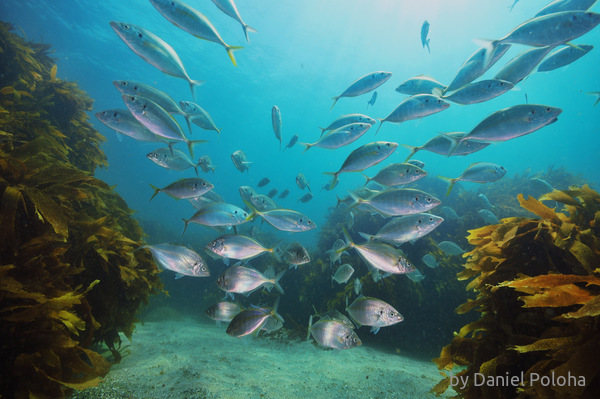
{"x": 538, "y": 292}
{"x": 69, "y": 276}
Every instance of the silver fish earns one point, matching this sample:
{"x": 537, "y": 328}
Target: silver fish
{"x": 397, "y": 174}
{"x": 564, "y": 56}
{"x": 336, "y": 315}
{"x": 193, "y": 22}
{"x": 406, "y": 228}
{"x": 521, "y": 66}
{"x": 171, "y": 159}
{"x": 401, "y": 201}
{"x": 157, "y": 120}
{"x": 251, "y": 321}
{"x": 421, "y": 84}
{"x": 415, "y": 107}
{"x": 364, "y": 85}
{"x": 343, "y": 274}
{"x": 223, "y": 311}
{"x": 284, "y": 219}
{"x": 305, "y": 198}
{"x": 236, "y": 246}
{"x": 509, "y": 123}
{"x": 179, "y": 259}
{"x": 373, "y": 312}
{"x": 479, "y": 172}
{"x": 478, "y": 92}
{"x": 364, "y": 157}
{"x": 485, "y": 202}
{"x": 373, "y": 99}
{"x": 262, "y": 202}
{"x": 415, "y": 276}
{"x": 184, "y": 188}
{"x": 302, "y": 182}
{"x": 450, "y": 213}
{"x": 277, "y": 124}
{"x": 430, "y": 261}
{"x": 247, "y": 192}
{"x": 333, "y": 334}
{"x": 346, "y": 120}
{"x": 475, "y": 66}
{"x": 357, "y": 286}
{"x": 263, "y": 182}
{"x": 441, "y": 145}
{"x": 205, "y": 164}
{"x": 450, "y": 248}
{"x": 239, "y": 161}
{"x": 380, "y": 256}
{"x": 241, "y": 280}
{"x": 153, "y": 50}
{"x": 229, "y": 8}
{"x": 217, "y": 214}
{"x": 550, "y": 29}
{"x": 132, "y": 88}
{"x": 340, "y": 137}
{"x": 565, "y": 5}
{"x": 334, "y": 255}
{"x": 417, "y": 163}
{"x": 194, "y": 113}
{"x": 488, "y": 217}
{"x": 424, "y": 32}
{"x": 292, "y": 142}
{"x": 295, "y": 254}
{"x": 122, "y": 121}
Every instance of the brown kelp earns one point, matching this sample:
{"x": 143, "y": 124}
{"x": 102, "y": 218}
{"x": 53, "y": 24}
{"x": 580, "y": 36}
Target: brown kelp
{"x": 538, "y": 291}
{"x": 69, "y": 276}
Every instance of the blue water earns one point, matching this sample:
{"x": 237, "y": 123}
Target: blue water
{"x": 304, "y": 53}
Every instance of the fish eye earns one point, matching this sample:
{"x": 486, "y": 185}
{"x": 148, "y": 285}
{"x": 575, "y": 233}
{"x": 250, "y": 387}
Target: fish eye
{"x": 429, "y": 199}
{"x": 115, "y": 114}
{"x": 140, "y": 35}
{"x": 431, "y": 219}
{"x": 533, "y": 111}
{"x": 548, "y": 109}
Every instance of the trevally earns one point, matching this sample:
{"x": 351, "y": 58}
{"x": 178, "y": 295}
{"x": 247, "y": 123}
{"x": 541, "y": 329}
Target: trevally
{"x": 415, "y": 107}
{"x": 229, "y": 8}
{"x": 521, "y": 66}
{"x": 153, "y": 50}
{"x": 373, "y": 312}
{"x": 185, "y": 188}
{"x": 171, "y": 159}
{"x": 479, "y": 172}
{"x": 564, "y": 56}
{"x": 400, "y": 201}
{"x": 340, "y": 137}
{"x": 333, "y": 334}
{"x": 346, "y": 120}
{"x": 223, "y": 311}
{"x": 277, "y": 123}
{"x": 442, "y": 145}
{"x": 421, "y": 84}
{"x": 205, "y": 164}
{"x": 234, "y": 246}
{"x": 179, "y": 259}
{"x": 364, "y": 85}
{"x": 139, "y": 89}
{"x": 193, "y": 22}
{"x": 217, "y": 214}
{"x": 397, "y": 174}
{"x": 239, "y": 161}
{"x": 123, "y": 122}
{"x": 406, "y": 228}
{"x": 194, "y": 113}
{"x": 343, "y": 274}
{"x": 242, "y": 280}
{"x": 483, "y": 90}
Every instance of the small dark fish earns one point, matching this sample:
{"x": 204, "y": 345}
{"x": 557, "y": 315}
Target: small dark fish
{"x": 373, "y": 99}
{"x": 424, "y": 33}
{"x": 295, "y": 254}
{"x": 343, "y": 274}
{"x": 306, "y": 197}
{"x": 450, "y": 248}
{"x": 302, "y": 182}
{"x": 272, "y": 193}
{"x": 293, "y": 141}
{"x": 264, "y": 182}
{"x": 488, "y": 217}
{"x": 430, "y": 261}
{"x": 450, "y": 213}
{"x": 284, "y": 193}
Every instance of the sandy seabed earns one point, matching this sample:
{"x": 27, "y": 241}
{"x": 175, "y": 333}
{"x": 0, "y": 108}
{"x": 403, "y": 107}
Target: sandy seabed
{"x": 191, "y": 359}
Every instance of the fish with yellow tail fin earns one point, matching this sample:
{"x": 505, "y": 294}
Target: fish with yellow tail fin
{"x": 364, "y": 157}
{"x": 364, "y": 85}
{"x": 153, "y": 50}
{"x": 193, "y": 22}
{"x": 229, "y": 8}
{"x": 480, "y": 172}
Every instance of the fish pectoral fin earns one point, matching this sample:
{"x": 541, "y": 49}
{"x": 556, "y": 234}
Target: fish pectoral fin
{"x": 374, "y": 330}
{"x": 179, "y": 275}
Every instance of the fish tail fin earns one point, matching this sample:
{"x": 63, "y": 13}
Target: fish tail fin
{"x": 449, "y": 180}
{"x": 490, "y": 47}
{"x": 193, "y": 85}
{"x": 427, "y": 44}
{"x": 192, "y": 143}
{"x": 253, "y": 212}
{"x": 186, "y": 221}
{"x": 156, "y": 191}
{"x": 348, "y": 239}
{"x": 334, "y": 182}
{"x": 230, "y": 50}
{"x": 367, "y": 182}
{"x": 247, "y": 28}
{"x": 367, "y": 237}
{"x": 307, "y": 145}
{"x": 275, "y": 281}
{"x": 189, "y": 123}
{"x": 454, "y": 142}
{"x": 196, "y": 169}
{"x": 335, "y": 100}
{"x": 413, "y": 151}
{"x": 323, "y": 129}
{"x": 309, "y": 326}
{"x": 380, "y": 124}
